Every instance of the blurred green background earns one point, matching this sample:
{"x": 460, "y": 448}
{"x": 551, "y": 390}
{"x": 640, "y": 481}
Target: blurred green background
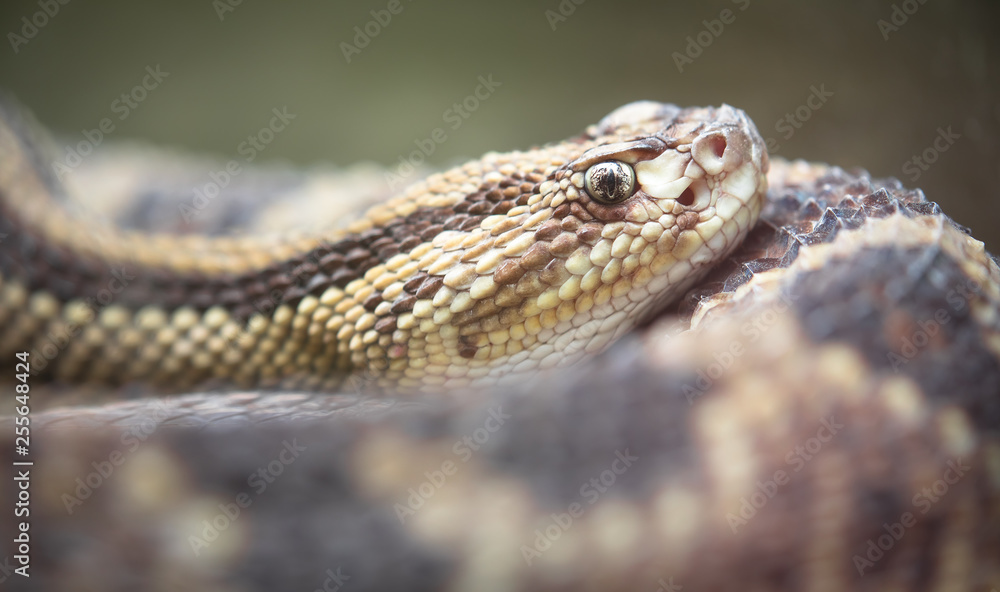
{"x": 560, "y": 65}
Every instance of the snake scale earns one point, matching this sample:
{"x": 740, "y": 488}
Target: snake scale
{"x": 647, "y": 357}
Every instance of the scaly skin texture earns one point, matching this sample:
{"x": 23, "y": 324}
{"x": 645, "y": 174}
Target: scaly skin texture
{"x": 489, "y": 271}
{"x": 821, "y": 412}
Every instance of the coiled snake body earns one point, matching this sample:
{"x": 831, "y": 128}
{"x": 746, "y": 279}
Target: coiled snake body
{"x": 813, "y": 404}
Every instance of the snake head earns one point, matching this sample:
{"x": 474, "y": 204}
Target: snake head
{"x": 673, "y": 191}
{"x": 525, "y": 260}
{"x": 655, "y": 196}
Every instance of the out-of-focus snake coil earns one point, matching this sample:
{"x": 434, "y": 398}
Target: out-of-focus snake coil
{"x": 646, "y": 357}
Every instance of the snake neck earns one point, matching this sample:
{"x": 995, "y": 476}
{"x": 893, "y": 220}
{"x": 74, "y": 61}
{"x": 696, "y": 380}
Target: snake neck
{"x": 94, "y": 303}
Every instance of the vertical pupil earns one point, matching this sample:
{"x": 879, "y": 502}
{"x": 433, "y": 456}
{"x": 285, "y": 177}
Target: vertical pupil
{"x": 606, "y": 181}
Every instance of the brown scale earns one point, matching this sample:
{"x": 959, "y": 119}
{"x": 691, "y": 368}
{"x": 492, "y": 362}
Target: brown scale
{"x": 508, "y": 272}
{"x": 466, "y": 349}
{"x": 429, "y": 287}
{"x": 537, "y": 256}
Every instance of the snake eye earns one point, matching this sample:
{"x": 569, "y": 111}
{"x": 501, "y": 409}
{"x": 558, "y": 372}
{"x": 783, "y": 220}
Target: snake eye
{"x": 610, "y": 182}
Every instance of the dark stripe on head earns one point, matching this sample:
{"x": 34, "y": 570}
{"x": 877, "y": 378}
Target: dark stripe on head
{"x": 32, "y": 258}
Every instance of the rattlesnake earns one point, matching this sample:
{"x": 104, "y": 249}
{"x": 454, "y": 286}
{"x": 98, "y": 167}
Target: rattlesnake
{"x": 814, "y": 407}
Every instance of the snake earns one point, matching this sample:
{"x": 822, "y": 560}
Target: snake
{"x": 650, "y": 356}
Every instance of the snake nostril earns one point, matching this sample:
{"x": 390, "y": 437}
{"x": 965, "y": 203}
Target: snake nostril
{"x": 687, "y": 197}
{"x": 717, "y": 144}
